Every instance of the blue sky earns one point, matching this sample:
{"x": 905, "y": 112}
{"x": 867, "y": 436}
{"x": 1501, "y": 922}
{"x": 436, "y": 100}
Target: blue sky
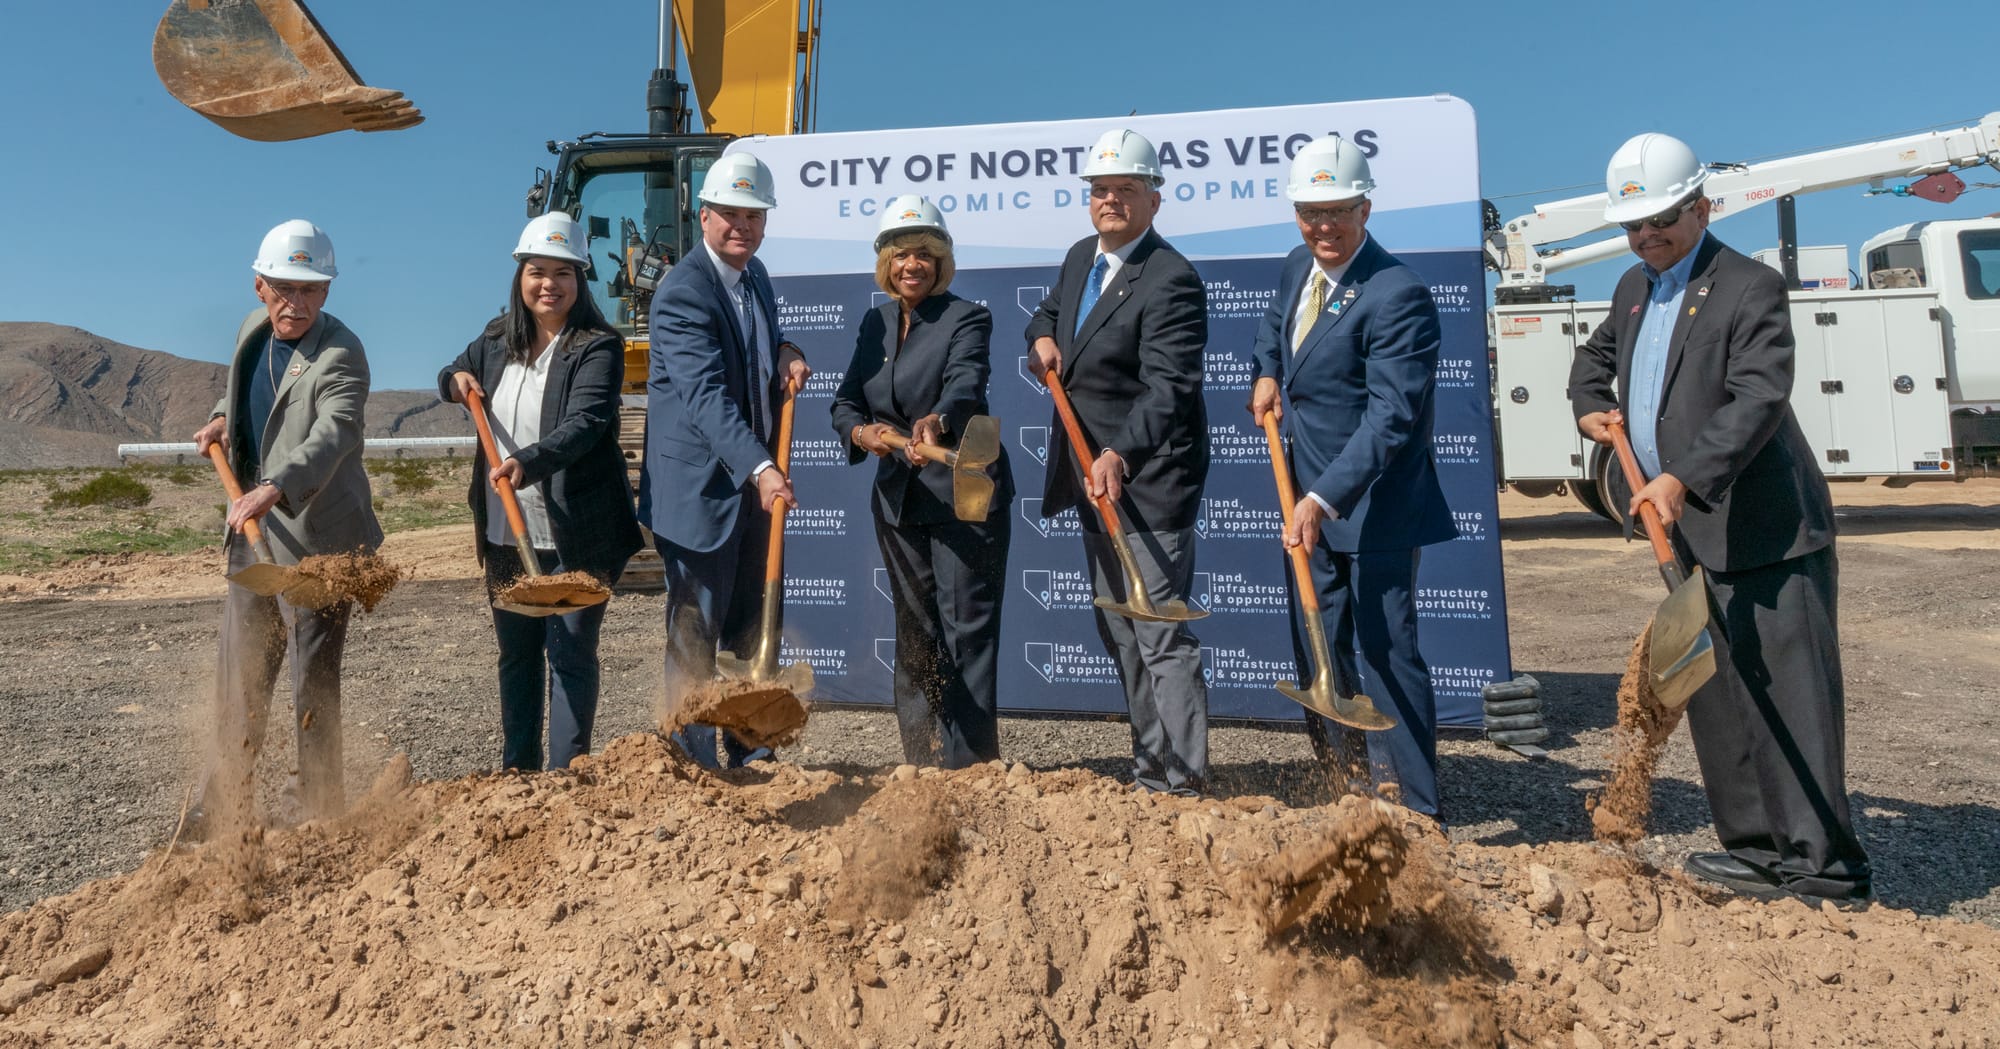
{"x": 136, "y": 219}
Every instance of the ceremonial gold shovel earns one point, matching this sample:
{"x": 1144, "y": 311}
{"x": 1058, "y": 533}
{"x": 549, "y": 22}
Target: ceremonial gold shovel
{"x": 971, "y": 488}
{"x": 267, "y": 578}
{"x": 1138, "y": 604}
{"x": 536, "y": 593}
{"x": 1682, "y": 658}
{"x": 1321, "y": 697}
{"x": 793, "y": 680}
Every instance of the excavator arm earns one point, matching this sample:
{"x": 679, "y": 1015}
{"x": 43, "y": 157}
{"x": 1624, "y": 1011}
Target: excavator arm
{"x": 752, "y": 63}
{"x": 265, "y": 70}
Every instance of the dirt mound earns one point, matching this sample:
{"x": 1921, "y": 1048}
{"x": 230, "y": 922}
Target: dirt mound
{"x": 640, "y": 900}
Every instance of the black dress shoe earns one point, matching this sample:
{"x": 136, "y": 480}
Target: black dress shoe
{"x": 1734, "y": 874}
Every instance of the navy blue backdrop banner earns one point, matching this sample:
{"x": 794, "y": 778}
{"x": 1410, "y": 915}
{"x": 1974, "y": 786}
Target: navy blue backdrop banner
{"x": 1010, "y": 234}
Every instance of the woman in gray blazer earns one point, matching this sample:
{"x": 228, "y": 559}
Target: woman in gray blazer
{"x": 920, "y": 367}
{"x": 549, "y": 370}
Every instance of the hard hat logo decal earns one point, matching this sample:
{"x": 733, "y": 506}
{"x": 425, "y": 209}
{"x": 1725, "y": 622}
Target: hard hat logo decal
{"x": 744, "y": 184}
{"x": 1109, "y": 154}
{"x": 1630, "y": 189}
{"x": 910, "y": 214}
{"x": 300, "y": 257}
{"x": 1322, "y": 177}
{"x": 557, "y": 238}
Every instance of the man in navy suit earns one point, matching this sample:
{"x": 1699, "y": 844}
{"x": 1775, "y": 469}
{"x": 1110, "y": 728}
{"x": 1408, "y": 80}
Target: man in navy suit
{"x": 1125, "y": 329}
{"x": 709, "y": 481}
{"x": 1351, "y": 342}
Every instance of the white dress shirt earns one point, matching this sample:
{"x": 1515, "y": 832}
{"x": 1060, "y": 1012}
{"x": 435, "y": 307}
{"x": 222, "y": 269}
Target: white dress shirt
{"x": 516, "y": 405}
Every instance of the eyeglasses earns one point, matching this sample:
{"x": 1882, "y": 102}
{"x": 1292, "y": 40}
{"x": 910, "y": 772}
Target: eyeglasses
{"x": 1329, "y": 216}
{"x": 1664, "y": 220}
{"x": 288, "y": 290}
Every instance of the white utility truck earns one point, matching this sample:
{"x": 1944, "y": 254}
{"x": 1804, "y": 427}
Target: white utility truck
{"x": 1898, "y": 366}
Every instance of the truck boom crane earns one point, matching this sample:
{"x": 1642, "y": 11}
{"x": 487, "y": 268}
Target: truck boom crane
{"x": 1518, "y": 249}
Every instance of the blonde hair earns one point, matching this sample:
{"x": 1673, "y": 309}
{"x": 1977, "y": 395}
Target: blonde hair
{"x": 939, "y": 248}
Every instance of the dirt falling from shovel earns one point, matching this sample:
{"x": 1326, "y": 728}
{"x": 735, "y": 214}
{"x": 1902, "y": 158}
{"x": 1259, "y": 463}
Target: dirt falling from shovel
{"x": 1619, "y": 813}
{"x": 1340, "y": 879}
{"x": 559, "y": 589}
{"x": 760, "y": 714}
{"x": 363, "y": 578}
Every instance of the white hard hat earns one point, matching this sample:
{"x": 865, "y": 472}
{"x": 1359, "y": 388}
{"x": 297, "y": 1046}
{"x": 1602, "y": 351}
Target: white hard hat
{"x": 1326, "y": 169}
{"x": 554, "y": 235}
{"x": 1124, "y": 152}
{"x": 1649, "y": 174}
{"x": 739, "y": 180}
{"x": 296, "y": 250}
{"x": 909, "y": 212}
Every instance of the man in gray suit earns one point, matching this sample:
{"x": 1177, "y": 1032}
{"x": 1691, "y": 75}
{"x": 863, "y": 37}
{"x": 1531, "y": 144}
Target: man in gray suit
{"x": 1124, "y": 329}
{"x": 291, "y": 422}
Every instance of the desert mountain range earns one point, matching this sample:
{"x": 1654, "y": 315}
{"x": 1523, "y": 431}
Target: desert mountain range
{"x": 70, "y": 398}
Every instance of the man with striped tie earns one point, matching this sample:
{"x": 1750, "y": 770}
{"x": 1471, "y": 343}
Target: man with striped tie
{"x": 1346, "y": 356}
{"x": 1124, "y": 330}
{"x": 709, "y": 481}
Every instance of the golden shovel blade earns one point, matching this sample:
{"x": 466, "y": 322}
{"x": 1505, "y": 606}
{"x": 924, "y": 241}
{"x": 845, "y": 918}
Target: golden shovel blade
{"x": 1172, "y": 610}
{"x": 310, "y": 593}
{"x": 971, "y": 494}
{"x": 263, "y": 578}
{"x": 1682, "y": 658}
{"x": 1357, "y": 711}
{"x": 550, "y": 595}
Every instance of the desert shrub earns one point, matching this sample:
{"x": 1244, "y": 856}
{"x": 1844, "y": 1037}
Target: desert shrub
{"x": 109, "y": 488}
{"x": 411, "y": 475}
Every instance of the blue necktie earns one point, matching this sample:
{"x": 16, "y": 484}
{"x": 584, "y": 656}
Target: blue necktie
{"x": 1093, "y": 286}
{"x": 747, "y": 299}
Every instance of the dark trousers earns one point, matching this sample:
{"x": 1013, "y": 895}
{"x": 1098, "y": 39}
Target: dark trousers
{"x": 1368, "y": 607}
{"x": 258, "y": 634}
{"x": 544, "y": 661}
{"x": 714, "y": 598}
{"x": 947, "y": 580}
{"x": 1158, "y": 663}
{"x": 1769, "y": 728}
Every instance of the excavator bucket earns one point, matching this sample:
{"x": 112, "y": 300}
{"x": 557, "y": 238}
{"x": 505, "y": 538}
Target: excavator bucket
{"x": 265, "y": 70}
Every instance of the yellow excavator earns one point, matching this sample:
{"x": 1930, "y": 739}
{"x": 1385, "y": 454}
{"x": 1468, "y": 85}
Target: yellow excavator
{"x": 266, "y": 70}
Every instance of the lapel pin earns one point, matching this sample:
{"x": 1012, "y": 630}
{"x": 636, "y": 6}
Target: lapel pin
{"x": 1703, "y": 291}
{"x": 1691, "y": 310}
{"x": 297, "y": 370}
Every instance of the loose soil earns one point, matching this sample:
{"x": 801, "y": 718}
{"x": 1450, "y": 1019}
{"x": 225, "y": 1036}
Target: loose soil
{"x": 835, "y": 898}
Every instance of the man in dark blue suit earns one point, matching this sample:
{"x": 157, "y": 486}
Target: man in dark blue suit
{"x": 709, "y": 481}
{"x": 1351, "y": 342}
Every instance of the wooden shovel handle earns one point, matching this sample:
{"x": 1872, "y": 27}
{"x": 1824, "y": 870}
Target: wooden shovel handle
{"x": 251, "y": 530}
{"x": 929, "y": 451}
{"x": 1656, "y": 530}
{"x": 774, "y": 554}
{"x": 1287, "y": 498}
{"x": 1106, "y": 510}
{"x": 491, "y": 450}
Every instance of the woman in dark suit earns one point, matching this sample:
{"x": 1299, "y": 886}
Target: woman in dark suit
{"x": 920, "y": 367}
{"x": 549, "y": 371}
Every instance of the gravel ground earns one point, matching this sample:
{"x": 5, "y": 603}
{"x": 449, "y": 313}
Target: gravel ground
{"x": 104, "y": 699}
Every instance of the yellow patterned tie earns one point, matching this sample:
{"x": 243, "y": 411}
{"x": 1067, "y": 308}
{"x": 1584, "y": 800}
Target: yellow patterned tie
{"x": 1315, "y": 302}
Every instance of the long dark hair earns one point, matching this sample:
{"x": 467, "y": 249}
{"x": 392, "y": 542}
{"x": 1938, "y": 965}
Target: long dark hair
{"x": 516, "y": 327}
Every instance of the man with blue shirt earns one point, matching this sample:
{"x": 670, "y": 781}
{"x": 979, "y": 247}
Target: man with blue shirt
{"x": 1696, "y": 359}
{"x": 290, "y": 420}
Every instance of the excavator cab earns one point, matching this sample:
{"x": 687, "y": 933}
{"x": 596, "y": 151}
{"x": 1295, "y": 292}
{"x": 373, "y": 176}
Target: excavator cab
{"x": 265, "y": 70}
{"x": 635, "y": 196}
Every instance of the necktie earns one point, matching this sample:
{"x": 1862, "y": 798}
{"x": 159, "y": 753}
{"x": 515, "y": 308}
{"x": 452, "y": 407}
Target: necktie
{"x": 1093, "y": 286}
{"x": 759, "y": 388}
{"x": 1315, "y": 302}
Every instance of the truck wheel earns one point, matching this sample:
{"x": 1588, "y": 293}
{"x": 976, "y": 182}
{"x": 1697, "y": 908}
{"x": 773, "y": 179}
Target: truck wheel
{"x": 1613, "y": 494}
{"x": 1585, "y": 490}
